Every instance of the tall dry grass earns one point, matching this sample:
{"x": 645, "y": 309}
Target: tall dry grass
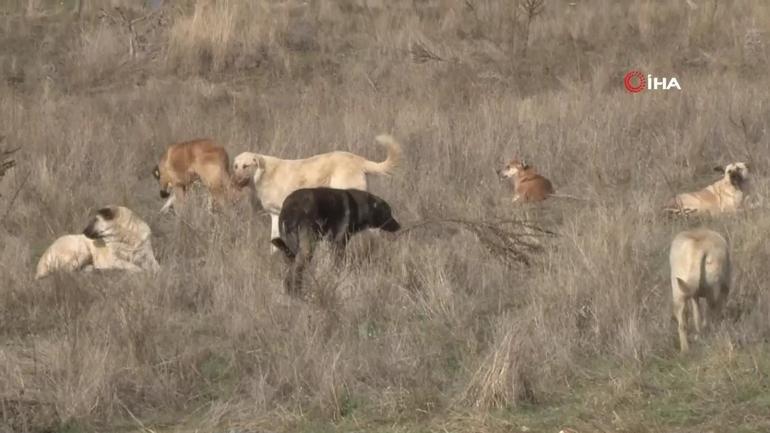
{"x": 429, "y": 324}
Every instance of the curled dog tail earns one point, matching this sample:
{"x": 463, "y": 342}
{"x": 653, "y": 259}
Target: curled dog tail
{"x": 391, "y": 162}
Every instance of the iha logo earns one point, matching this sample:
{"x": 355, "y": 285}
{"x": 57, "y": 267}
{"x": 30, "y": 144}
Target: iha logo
{"x": 635, "y": 82}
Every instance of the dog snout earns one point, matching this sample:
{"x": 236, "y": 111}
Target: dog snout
{"x": 391, "y": 226}
{"x": 90, "y": 233}
{"x": 164, "y": 193}
{"x": 241, "y": 180}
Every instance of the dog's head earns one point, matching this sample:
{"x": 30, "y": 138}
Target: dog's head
{"x": 737, "y": 173}
{"x": 381, "y": 216}
{"x": 514, "y": 167}
{"x": 247, "y": 166}
{"x": 106, "y": 222}
{"x": 161, "y": 174}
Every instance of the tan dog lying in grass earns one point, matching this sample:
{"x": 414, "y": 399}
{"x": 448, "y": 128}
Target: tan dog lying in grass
{"x": 528, "y": 184}
{"x": 184, "y": 163}
{"x": 700, "y": 268}
{"x": 273, "y": 179}
{"x": 725, "y": 195}
{"x": 115, "y": 238}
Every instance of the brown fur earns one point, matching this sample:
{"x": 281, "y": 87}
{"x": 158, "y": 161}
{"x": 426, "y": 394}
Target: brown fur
{"x": 528, "y": 184}
{"x": 184, "y": 163}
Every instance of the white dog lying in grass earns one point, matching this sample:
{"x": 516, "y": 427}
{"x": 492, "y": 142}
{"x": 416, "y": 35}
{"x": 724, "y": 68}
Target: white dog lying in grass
{"x": 115, "y": 238}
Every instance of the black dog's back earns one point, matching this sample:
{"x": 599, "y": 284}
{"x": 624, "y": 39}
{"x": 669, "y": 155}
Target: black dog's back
{"x": 313, "y": 209}
{"x": 310, "y": 213}
{"x": 336, "y": 213}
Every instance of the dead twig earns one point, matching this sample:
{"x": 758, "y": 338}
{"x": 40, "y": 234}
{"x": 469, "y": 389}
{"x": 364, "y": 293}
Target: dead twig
{"x": 421, "y": 53}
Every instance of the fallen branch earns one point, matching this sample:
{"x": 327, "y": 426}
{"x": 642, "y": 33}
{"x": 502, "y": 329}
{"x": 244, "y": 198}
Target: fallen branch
{"x": 496, "y": 236}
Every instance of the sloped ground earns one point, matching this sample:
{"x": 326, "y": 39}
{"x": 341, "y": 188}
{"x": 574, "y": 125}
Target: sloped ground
{"x": 430, "y": 332}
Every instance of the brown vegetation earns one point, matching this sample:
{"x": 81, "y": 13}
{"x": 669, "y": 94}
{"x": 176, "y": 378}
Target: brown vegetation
{"x": 431, "y": 330}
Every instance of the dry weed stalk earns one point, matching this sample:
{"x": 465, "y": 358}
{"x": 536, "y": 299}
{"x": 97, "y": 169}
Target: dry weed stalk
{"x": 499, "y": 381}
{"x": 5, "y": 162}
{"x": 532, "y": 8}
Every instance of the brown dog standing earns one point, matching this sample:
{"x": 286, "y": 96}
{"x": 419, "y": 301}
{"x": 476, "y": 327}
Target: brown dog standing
{"x": 184, "y": 163}
{"x": 528, "y": 185}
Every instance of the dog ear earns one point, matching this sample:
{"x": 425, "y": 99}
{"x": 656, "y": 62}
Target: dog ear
{"x": 719, "y": 169}
{"x": 524, "y": 164}
{"x": 106, "y": 213}
{"x": 259, "y": 161}
{"x": 156, "y": 172}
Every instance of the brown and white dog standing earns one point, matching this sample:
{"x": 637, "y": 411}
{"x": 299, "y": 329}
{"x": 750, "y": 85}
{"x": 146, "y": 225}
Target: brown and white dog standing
{"x": 725, "y": 195}
{"x": 528, "y": 185}
{"x": 184, "y": 163}
{"x": 273, "y": 179}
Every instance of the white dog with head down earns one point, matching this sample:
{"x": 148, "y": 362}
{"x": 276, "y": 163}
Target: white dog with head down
{"x": 273, "y": 179}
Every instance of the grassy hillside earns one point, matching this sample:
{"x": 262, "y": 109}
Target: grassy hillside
{"x": 429, "y": 332}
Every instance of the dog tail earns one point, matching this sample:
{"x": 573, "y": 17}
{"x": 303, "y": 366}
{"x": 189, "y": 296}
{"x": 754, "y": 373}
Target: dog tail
{"x": 391, "y": 162}
{"x": 281, "y": 245}
{"x": 569, "y": 196}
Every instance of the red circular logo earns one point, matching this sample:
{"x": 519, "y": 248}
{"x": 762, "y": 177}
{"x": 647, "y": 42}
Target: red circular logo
{"x": 634, "y": 76}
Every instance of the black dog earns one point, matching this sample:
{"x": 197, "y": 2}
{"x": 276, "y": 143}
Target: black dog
{"x": 336, "y": 214}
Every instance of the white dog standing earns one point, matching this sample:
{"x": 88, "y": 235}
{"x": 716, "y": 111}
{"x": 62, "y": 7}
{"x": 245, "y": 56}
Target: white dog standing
{"x": 273, "y": 179}
{"x": 700, "y": 268}
{"x": 115, "y": 238}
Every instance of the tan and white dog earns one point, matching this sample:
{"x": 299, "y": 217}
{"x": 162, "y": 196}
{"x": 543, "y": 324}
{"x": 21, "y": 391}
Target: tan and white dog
{"x": 725, "y": 195}
{"x": 700, "y": 268}
{"x": 273, "y": 179}
{"x": 528, "y": 184}
{"x": 186, "y": 162}
{"x": 115, "y": 238}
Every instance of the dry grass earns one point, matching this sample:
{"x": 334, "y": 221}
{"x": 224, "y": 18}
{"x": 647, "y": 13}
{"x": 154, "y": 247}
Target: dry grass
{"x": 431, "y": 331}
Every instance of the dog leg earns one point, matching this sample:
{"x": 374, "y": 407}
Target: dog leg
{"x": 680, "y": 311}
{"x": 275, "y": 232}
{"x": 168, "y": 204}
{"x": 294, "y": 280}
{"x": 339, "y": 245}
{"x": 696, "y": 317}
{"x": 177, "y": 195}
